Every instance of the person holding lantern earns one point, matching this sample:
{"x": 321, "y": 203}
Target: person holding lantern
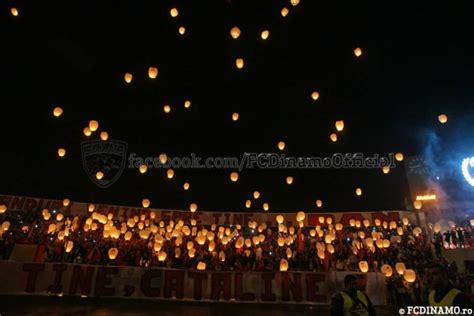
{"x": 351, "y": 301}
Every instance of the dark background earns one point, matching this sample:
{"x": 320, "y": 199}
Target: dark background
{"x": 417, "y": 63}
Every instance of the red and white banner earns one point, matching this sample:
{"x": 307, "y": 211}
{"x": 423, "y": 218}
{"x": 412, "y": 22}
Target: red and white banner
{"x": 18, "y": 203}
{"x": 171, "y": 284}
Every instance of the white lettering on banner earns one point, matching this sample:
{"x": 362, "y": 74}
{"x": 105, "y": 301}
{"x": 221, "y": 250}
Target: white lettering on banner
{"x": 157, "y": 283}
{"x": 18, "y": 203}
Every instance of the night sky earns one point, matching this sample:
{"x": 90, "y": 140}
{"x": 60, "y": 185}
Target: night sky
{"x": 74, "y": 54}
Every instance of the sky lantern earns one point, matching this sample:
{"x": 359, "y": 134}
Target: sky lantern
{"x": 265, "y": 34}
{"x": 104, "y": 136}
{"x": 14, "y": 11}
{"x": 284, "y": 11}
{"x": 363, "y": 266}
{"x": 152, "y": 72}
{"x": 333, "y": 137}
{"x": 3, "y": 209}
{"x": 61, "y": 152}
{"x": 91, "y": 208}
{"x": 182, "y": 30}
{"x": 201, "y": 265}
{"x": 93, "y": 125}
{"x": 87, "y": 132}
{"x": 235, "y": 116}
{"x": 143, "y": 168}
{"x": 99, "y": 175}
{"x": 281, "y": 145}
{"x": 266, "y": 207}
{"x": 235, "y": 32}
{"x": 163, "y": 158}
{"x": 280, "y": 219}
{"x": 66, "y": 202}
{"x": 170, "y": 173}
{"x": 400, "y": 268}
{"x": 167, "y": 108}
{"x": 315, "y": 95}
{"x": 162, "y": 256}
{"x": 387, "y": 270}
{"x": 300, "y": 216}
{"x": 289, "y": 180}
{"x": 399, "y": 156}
{"x": 239, "y": 63}
{"x": 145, "y": 203}
{"x": 128, "y": 77}
{"x": 385, "y": 169}
{"x": 58, "y": 111}
{"x": 319, "y": 203}
{"x": 193, "y": 207}
{"x": 339, "y": 125}
{"x": 283, "y": 265}
{"x": 174, "y": 12}
{"x": 358, "y": 191}
{"x": 442, "y": 118}
{"x": 295, "y": 2}
{"x": 417, "y": 205}
{"x": 409, "y": 275}
{"x": 234, "y": 176}
{"x": 256, "y": 195}
{"x": 358, "y": 52}
{"x": 472, "y": 222}
{"x": 248, "y": 204}
{"x": 113, "y": 252}
{"x": 187, "y": 104}
{"x": 69, "y": 245}
{"x": 186, "y": 186}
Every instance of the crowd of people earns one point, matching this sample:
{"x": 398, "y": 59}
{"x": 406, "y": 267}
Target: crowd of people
{"x": 145, "y": 241}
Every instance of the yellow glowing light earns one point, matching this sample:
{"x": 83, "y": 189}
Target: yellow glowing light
{"x": 239, "y": 63}
{"x": 174, "y": 12}
{"x": 58, "y": 111}
{"x": 358, "y": 52}
{"x": 235, "y": 32}
{"x": 87, "y": 132}
{"x": 61, "y": 152}
{"x": 128, "y": 77}
{"x": 187, "y": 104}
{"x": 256, "y": 195}
{"x": 426, "y": 197}
{"x": 333, "y": 137}
{"x": 284, "y": 12}
{"x": 152, "y": 72}
{"x": 443, "y": 118}
{"x": 170, "y": 173}
{"x": 281, "y": 145}
{"x": 289, "y": 180}
{"x": 104, "y": 136}
{"x": 186, "y": 186}
{"x": 182, "y": 30}
{"x": 93, "y": 125}
{"x": 167, "y": 108}
{"x": 265, "y": 34}
{"x": 99, "y": 175}
{"x": 315, "y": 95}
{"x": 235, "y": 116}
{"x": 359, "y": 191}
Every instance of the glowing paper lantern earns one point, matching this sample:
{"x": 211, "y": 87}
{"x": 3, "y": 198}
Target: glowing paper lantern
{"x": 266, "y": 207}
{"x": 91, "y": 208}
{"x": 472, "y": 222}
{"x": 193, "y": 207}
{"x": 363, "y": 266}
{"x": 61, "y": 152}
{"x": 399, "y": 156}
{"x": 201, "y": 265}
{"x": 265, "y": 34}
{"x": 300, "y": 216}
{"x": 366, "y": 222}
{"x": 417, "y": 205}
{"x": 339, "y": 226}
{"x": 385, "y": 169}
{"x": 182, "y": 30}
{"x": 281, "y": 145}
{"x": 358, "y": 52}
{"x": 170, "y": 173}
{"x": 256, "y": 195}
{"x": 174, "y": 12}
{"x": 235, "y": 32}
{"x": 113, "y": 252}
{"x": 443, "y": 118}
{"x": 280, "y": 219}
{"x": 387, "y": 270}
{"x": 163, "y": 158}
{"x": 315, "y": 95}
{"x": 186, "y": 186}
{"x": 69, "y": 245}
{"x": 239, "y": 63}
{"x": 87, "y": 132}
{"x": 248, "y": 204}
{"x": 128, "y": 236}
{"x": 66, "y": 202}
{"x": 145, "y": 203}
{"x": 409, "y": 275}
{"x": 400, "y": 231}
{"x": 143, "y": 168}
{"x": 222, "y": 256}
{"x": 162, "y": 256}
{"x": 99, "y": 175}
{"x": 359, "y": 191}
{"x": 152, "y": 72}
{"x": 104, "y": 136}
{"x": 14, "y": 11}
{"x": 400, "y": 268}
{"x": 128, "y": 77}
{"x": 3, "y": 209}
{"x": 289, "y": 180}
{"x": 319, "y": 203}
{"x": 283, "y": 265}
{"x": 339, "y": 125}
{"x": 58, "y": 111}
{"x": 235, "y": 116}
{"x": 333, "y": 137}
{"x": 167, "y": 108}
{"x": 6, "y": 226}
{"x": 377, "y": 222}
{"x": 234, "y": 176}
{"x": 93, "y": 125}
{"x": 59, "y": 217}
{"x": 187, "y": 104}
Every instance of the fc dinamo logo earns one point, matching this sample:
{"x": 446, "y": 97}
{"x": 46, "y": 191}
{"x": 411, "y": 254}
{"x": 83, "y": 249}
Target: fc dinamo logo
{"x": 108, "y": 157}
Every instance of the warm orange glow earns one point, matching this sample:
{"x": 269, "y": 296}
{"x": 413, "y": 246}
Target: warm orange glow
{"x": 358, "y": 52}
{"x": 426, "y": 197}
